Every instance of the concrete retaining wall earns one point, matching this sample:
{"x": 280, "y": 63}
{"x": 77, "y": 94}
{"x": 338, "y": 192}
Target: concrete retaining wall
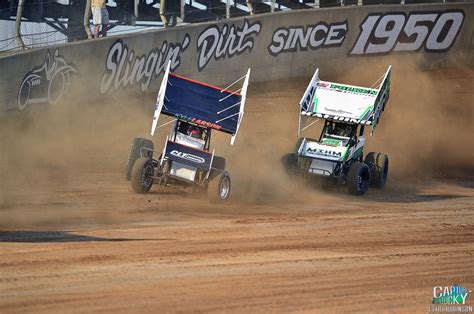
{"x": 275, "y": 46}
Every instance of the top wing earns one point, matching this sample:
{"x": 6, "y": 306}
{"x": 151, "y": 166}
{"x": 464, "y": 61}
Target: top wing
{"x": 345, "y": 103}
{"x": 200, "y": 103}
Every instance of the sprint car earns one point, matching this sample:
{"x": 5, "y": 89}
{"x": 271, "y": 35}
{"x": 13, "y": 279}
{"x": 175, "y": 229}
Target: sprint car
{"x": 186, "y": 160}
{"x": 337, "y": 155}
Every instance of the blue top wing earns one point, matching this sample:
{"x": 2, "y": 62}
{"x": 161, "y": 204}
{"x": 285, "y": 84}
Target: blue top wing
{"x": 202, "y": 104}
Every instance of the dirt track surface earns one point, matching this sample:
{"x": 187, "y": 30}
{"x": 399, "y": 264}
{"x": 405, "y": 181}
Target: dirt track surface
{"x": 74, "y": 237}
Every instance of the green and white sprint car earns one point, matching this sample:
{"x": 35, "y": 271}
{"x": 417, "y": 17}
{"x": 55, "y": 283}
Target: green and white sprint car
{"x": 337, "y": 155}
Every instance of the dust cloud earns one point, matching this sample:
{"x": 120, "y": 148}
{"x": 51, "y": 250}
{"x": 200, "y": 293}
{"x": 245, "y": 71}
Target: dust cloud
{"x": 426, "y": 130}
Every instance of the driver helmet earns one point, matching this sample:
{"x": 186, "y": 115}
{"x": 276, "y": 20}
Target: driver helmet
{"x": 348, "y": 131}
{"x": 194, "y": 132}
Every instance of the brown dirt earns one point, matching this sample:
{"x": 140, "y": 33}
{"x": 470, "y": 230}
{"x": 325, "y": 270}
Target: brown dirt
{"x": 74, "y": 237}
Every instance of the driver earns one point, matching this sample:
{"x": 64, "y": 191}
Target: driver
{"x": 342, "y": 130}
{"x": 194, "y": 132}
{"x": 347, "y": 131}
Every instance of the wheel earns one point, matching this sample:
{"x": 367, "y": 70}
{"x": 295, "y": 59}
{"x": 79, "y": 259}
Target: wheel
{"x": 290, "y": 163}
{"x": 218, "y": 166}
{"x": 328, "y": 184}
{"x": 218, "y": 163}
{"x": 56, "y": 88}
{"x": 358, "y": 178}
{"x": 24, "y": 95}
{"x": 142, "y": 173}
{"x": 218, "y": 190}
{"x": 378, "y": 164}
{"x": 135, "y": 153}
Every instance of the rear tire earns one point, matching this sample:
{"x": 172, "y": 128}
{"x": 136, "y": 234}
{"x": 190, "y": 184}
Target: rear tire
{"x": 134, "y": 153}
{"x": 378, "y": 164}
{"x": 358, "y": 178}
{"x": 142, "y": 173}
{"x": 218, "y": 166}
{"x": 290, "y": 163}
{"x": 218, "y": 190}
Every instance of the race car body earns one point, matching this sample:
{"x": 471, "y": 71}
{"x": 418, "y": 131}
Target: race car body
{"x": 186, "y": 160}
{"x": 338, "y": 152}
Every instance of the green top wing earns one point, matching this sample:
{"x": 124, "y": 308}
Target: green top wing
{"x": 345, "y": 103}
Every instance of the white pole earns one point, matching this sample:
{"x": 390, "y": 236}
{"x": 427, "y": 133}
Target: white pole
{"x": 87, "y": 15}
{"x": 162, "y": 12}
{"x": 19, "y": 13}
{"x": 135, "y": 9}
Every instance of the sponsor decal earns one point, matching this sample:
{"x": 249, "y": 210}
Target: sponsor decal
{"x": 356, "y": 90}
{"x": 331, "y": 142}
{"x": 187, "y": 156}
{"x": 450, "y": 299}
{"x": 337, "y": 111}
{"x": 228, "y": 41}
{"x": 434, "y": 31}
{"x": 302, "y": 38}
{"x": 323, "y": 152}
{"x": 46, "y": 83}
{"x": 199, "y": 122}
{"x": 123, "y": 68}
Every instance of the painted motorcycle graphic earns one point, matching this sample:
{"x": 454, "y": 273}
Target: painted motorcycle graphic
{"x": 47, "y": 83}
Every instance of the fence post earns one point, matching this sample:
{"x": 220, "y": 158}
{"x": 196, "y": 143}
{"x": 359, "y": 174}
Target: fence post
{"x": 316, "y": 3}
{"x": 182, "y": 2}
{"x": 87, "y": 14}
{"x": 250, "y": 6}
{"x": 227, "y": 9}
{"x": 19, "y": 13}
{"x": 162, "y": 13}
{"x": 135, "y": 7}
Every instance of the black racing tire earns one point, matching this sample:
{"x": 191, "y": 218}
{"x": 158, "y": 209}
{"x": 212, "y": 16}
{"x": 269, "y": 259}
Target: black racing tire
{"x": 378, "y": 164}
{"x": 290, "y": 164}
{"x": 328, "y": 184}
{"x": 218, "y": 167}
{"x": 218, "y": 190}
{"x": 142, "y": 173}
{"x": 219, "y": 163}
{"x": 358, "y": 178}
{"x": 134, "y": 153}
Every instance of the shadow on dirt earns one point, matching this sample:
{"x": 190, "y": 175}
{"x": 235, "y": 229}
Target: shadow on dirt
{"x": 387, "y": 197}
{"x": 57, "y": 236}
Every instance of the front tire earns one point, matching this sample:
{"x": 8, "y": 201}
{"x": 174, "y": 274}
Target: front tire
{"x": 142, "y": 175}
{"x": 290, "y": 163}
{"x": 378, "y": 164}
{"x": 218, "y": 190}
{"x": 135, "y": 153}
{"x": 358, "y": 178}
